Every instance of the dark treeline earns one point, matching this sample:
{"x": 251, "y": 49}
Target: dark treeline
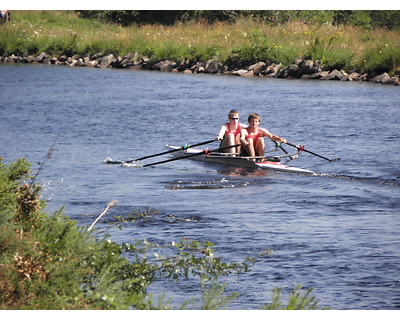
{"x": 369, "y": 19}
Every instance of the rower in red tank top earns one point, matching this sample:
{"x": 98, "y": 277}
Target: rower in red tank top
{"x": 230, "y": 133}
{"x": 253, "y": 135}
{"x": 237, "y": 129}
{"x": 252, "y": 138}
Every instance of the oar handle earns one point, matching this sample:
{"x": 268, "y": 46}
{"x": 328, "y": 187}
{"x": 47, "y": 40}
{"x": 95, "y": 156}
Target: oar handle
{"x": 301, "y": 148}
{"x": 191, "y": 155}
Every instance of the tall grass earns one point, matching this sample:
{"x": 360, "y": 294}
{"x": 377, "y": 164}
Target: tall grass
{"x": 241, "y": 43}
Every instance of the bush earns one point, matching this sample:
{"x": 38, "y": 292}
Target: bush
{"x": 381, "y": 59}
{"x": 261, "y": 48}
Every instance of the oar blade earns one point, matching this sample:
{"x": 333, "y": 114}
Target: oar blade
{"x": 109, "y": 160}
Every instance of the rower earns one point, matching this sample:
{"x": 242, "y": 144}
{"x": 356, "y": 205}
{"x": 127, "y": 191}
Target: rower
{"x": 252, "y": 137}
{"x": 229, "y": 133}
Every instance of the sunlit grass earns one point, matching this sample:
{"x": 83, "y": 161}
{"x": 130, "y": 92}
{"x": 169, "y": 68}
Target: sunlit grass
{"x": 339, "y": 46}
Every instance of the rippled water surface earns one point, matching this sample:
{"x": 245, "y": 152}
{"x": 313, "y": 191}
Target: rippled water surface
{"x": 337, "y": 231}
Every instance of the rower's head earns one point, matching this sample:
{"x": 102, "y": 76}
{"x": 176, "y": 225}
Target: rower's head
{"x": 233, "y": 115}
{"x": 254, "y": 116}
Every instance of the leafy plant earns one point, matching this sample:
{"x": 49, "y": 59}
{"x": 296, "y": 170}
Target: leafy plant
{"x": 297, "y": 300}
{"x": 381, "y": 59}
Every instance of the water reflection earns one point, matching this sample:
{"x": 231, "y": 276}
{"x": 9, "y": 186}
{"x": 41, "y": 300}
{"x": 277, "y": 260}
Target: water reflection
{"x": 244, "y": 172}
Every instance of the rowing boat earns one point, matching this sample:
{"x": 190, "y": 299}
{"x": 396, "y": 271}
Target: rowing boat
{"x": 267, "y": 163}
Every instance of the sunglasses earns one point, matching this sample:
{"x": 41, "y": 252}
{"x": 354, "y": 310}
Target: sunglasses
{"x": 234, "y": 118}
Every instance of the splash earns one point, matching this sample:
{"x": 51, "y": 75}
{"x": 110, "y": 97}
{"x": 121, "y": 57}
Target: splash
{"x": 131, "y": 163}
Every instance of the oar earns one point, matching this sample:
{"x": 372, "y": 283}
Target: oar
{"x": 301, "y": 148}
{"x": 184, "y": 147}
{"x": 191, "y": 155}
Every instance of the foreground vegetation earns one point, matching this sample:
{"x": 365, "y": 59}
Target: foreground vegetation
{"x": 349, "y": 44}
{"x": 48, "y": 262}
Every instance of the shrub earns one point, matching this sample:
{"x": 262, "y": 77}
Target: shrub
{"x": 381, "y": 59}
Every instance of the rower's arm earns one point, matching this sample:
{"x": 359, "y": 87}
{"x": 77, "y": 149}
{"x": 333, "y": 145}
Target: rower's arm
{"x": 221, "y": 133}
{"x": 243, "y": 136}
{"x": 271, "y": 136}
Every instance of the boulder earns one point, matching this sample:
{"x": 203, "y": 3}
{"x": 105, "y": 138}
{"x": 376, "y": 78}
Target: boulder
{"x": 391, "y": 80}
{"x": 289, "y": 72}
{"x": 213, "y": 66}
{"x": 239, "y": 72}
{"x": 198, "y": 68}
{"x": 98, "y": 55}
{"x": 354, "y": 76}
{"x": 165, "y": 66}
{"x": 272, "y": 70}
{"x": 257, "y": 68}
{"x": 384, "y": 77}
{"x": 40, "y": 58}
{"x": 308, "y": 67}
{"x": 108, "y": 61}
{"x": 333, "y": 75}
{"x": 249, "y": 73}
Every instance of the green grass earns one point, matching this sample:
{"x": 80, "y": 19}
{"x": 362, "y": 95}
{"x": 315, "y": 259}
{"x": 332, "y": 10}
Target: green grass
{"x": 238, "y": 44}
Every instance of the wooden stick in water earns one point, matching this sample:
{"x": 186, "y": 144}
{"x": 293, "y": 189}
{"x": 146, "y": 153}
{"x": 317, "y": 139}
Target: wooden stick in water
{"x": 110, "y": 205}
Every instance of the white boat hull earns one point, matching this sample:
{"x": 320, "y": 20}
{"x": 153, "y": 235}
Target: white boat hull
{"x": 237, "y": 161}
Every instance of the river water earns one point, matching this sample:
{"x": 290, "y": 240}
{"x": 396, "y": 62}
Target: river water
{"x": 337, "y": 231}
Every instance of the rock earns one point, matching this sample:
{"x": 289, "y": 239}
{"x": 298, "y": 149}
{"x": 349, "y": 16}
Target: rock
{"x": 131, "y": 56}
{"x": 93, "y": 63}
{"x": 272, "y": 70}
{"x": 98, "y": 55}
{"x": 289, "y": 72}
{"x": 165, "y": 66}
{"x": 197, "y": 68}
{"x": 391, "y": 80}
{"x": 108, "y": 61}
{"x": 62, "y": 58}
{"x": 333, "y": 75}
{"x": 257, "y": 68}
{"x": 28, "y": 59}
{"x": 213, "y": 66}
{"x": 308, "y": 67}
{"x": 239, "y": 72}
{"x": 10, "y": 59}
{"x": 248, "y": 74}
{"x": 80, "y": 63}
{"x": 354, "y": 76}
{"x": 40, "y": 58}
{"x": 384, "y": 77}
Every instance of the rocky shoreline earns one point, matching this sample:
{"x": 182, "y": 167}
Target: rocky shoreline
{"x": 299, "y": 69}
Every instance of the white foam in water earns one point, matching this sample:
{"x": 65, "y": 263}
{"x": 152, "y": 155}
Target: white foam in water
{"x": 108, "y": 160}
{"x": 132, "y": 164}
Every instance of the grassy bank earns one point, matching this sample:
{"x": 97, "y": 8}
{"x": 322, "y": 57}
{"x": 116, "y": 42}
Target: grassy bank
{"x": 237, "y": 44}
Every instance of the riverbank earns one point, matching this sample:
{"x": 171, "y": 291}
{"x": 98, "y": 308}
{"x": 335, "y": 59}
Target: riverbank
{"x": 299, "y": 69}
{"x": 247, "y": 46}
